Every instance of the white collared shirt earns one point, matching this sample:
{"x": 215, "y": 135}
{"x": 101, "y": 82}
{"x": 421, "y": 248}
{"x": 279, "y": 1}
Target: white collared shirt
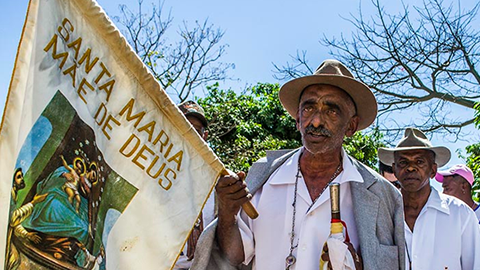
{"x": 266, "y": 239}
{"x": 477, "y": 213}
{"x": 445, "y": 234}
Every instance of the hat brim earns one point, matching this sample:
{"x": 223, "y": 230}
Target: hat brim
{"x": 442, "y": 154}
{"x": 440, "y": 174}
{"x": 361, "y": 95}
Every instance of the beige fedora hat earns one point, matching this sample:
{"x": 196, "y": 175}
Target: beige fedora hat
{"x": 332, "y": 72}
{"x": 414, "y": 139}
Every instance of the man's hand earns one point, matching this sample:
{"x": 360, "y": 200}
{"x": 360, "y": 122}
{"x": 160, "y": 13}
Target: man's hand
{"x": 232, "y": 192}
{"x": 356, "y": 257}
{"x": 39, "y": 198}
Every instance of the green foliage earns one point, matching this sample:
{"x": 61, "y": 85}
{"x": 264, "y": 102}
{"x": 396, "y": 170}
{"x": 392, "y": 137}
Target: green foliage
{"x": 244, "y": 126}
{"x": 473, "y": 162}
{"x": 364, "y": 147}
{"x": 473, "y": 158}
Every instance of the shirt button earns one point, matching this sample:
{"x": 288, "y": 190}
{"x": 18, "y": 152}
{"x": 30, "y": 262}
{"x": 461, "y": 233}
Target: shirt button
{"x": 304, "y": 247}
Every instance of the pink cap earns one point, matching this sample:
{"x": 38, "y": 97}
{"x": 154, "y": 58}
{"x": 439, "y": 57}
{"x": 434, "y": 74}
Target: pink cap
{"x": 459, "y": 169}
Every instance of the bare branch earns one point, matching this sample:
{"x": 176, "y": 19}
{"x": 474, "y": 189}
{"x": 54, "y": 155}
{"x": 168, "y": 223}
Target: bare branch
{"x": 181, "y": 62}
{"x": 423, "y": 59}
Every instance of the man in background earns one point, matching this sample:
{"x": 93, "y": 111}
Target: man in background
{"x": 441, "y": 231}
{"x": 387, "y": 172}
{"x": 458, "y": 181}
{"x": 196, "y": 116}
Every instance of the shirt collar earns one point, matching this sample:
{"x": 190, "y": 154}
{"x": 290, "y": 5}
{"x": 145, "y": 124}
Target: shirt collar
{"x": 437, "y": 201}
{"x": 286, "y": 173}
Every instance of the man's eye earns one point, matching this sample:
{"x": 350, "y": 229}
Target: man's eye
{"x": 308, "y": 109}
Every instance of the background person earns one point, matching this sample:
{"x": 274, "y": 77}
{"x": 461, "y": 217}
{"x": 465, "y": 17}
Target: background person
{"x": 387, "y": 172}
{"x": 196, "y": 116}
{"x": 442, "y": 232}
{"x": 458, "y": 181}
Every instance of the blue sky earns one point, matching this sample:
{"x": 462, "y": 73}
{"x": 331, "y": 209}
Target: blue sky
{"x": 258, "y": 33}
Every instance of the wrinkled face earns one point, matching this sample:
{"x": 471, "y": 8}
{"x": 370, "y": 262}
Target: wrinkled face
{"x": 18, "y": 181}
{"x": 326, "y": 114}
{"x": 197, "y": 124}
{"x": 454, "y": 185}
{"x": 414, "y": 168}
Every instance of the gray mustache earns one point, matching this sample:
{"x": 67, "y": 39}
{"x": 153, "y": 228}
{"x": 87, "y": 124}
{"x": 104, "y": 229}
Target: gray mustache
{"x": 322, "y": 131}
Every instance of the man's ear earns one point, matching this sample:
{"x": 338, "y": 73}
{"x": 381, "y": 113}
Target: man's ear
{"x": 205, "y": 135}
{"x": 297, "y": 121}
{"x": 352, "y": 126}
{"x": 434, "y": 170}
{"x": 465, "y": 185}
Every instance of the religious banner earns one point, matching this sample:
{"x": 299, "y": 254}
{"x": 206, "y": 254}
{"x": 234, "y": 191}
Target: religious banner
{"x": 99, "y": 169}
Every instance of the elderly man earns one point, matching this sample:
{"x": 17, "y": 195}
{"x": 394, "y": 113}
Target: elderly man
{"x": 458, "y": 181}
{"x": 441, "y": 231}
{"x": 196, "y": 116}
{"x": 288, "y": 190}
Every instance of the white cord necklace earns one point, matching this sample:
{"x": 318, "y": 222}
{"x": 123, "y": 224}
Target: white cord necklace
{"x": 290, "y": 260}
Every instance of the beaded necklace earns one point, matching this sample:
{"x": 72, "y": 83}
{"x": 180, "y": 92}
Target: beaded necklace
{"x": 290, "y": 260}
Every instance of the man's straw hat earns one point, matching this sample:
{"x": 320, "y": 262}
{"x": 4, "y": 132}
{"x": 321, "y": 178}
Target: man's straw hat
{"x": 414, "y": 139}
{"x": 332, "y": 72}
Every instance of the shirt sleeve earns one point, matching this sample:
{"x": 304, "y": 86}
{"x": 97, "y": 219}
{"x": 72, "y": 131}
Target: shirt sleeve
{"x": 471, "y": 242}
{"x": 18, "y": 216}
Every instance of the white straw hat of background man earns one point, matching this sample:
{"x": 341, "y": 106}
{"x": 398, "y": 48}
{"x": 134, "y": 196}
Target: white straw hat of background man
{"x": 332, "y": 72}
{"x": 414, "y": 139}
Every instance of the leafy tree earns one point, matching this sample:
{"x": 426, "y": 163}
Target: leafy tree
{"x": 364, "y": 147}
{"x": 473, "y": 162}
{"x": 192, "y": 61}
{"x": 473, "y": 159}
{"x": 424, "y": 59}
{"x": 244, "y": 126}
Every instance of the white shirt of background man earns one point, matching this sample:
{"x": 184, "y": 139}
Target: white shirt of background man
{"x": 446, "y": 234}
